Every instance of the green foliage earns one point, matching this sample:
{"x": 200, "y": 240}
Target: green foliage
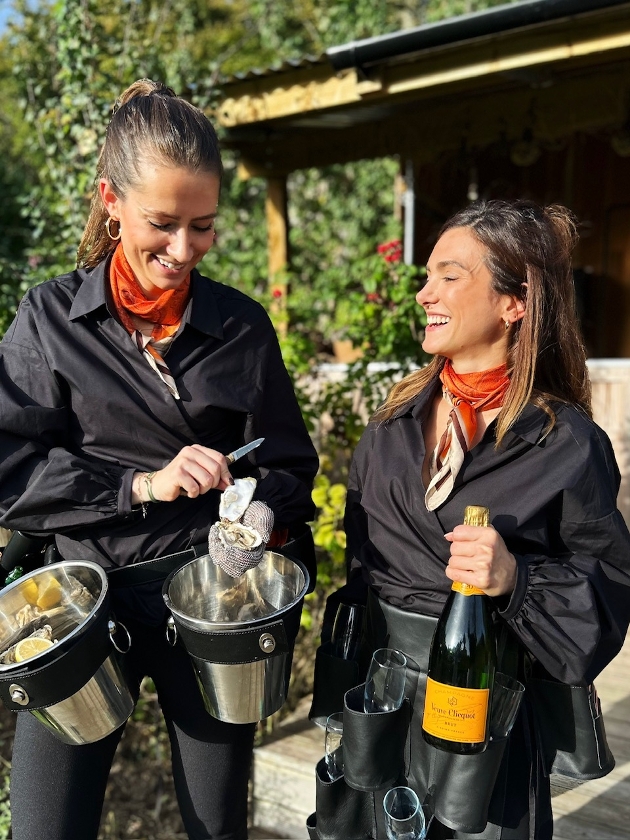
{"x": 14, "y": 173}
{"x": 371, "y": 303}
{"x": 239, "y": 256}
{"x": 338, "y": 213}
{"x": 10, "y": 291}
{"x": 65, "y": 111}
{"x": 440, "y": 9}
{"x": 377, "y": 310}
{"x": 330, "y": 500}
{"x": 5, "y": 807}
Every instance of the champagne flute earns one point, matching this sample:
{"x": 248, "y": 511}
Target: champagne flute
{"x": 507, "y": 694}
{"x": 346, "y": 633}
{"x": 385, "y": 684}
{"x": 404, "y": 817}
{"x": 333, "y": 750}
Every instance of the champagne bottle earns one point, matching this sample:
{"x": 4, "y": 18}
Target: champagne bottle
{"x": 462, "y": 662}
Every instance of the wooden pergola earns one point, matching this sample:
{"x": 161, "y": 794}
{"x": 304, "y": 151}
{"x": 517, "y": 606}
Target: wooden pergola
{"x": 529, "y": 99}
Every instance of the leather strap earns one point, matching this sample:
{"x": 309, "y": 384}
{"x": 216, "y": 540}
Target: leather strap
{"x": 65, "y": 674}
{"x": 149, "y": 571}
{"x": 234, "y": 647}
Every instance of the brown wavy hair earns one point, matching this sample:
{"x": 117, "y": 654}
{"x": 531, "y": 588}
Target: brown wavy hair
{"x": 149, "y": 122}
{"x": 533, "y": 245}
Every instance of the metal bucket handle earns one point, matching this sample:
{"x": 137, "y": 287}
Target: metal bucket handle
{"x": 171, "y": 631}
{"x": 113, "y": 626}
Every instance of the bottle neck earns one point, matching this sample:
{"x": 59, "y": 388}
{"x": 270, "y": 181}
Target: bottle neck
{"x": 466, "y": 588}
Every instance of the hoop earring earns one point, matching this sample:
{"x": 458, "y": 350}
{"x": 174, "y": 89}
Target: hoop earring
{"x": 109, "y": 233}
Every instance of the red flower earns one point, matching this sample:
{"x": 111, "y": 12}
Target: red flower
{"x": 391, "y": 251}
{"x": 373, "y": 297}
{"x": 277, "y": 293}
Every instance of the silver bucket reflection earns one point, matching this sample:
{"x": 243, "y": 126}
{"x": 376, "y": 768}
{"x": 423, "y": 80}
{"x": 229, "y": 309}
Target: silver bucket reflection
{"x": 239, "y": 632}
{"x": 75, "y": 688}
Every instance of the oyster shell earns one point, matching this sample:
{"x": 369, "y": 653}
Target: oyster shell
{"x": 27, "y": 614}
{"x": 79, "y": 594}
{"x": 236, "y": 498}
{"x": 7, "y": 657}
{"x": 237, "y": 535}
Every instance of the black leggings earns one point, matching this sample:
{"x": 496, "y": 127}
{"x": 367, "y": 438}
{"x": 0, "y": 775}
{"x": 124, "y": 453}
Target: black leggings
{"x": 57, "y": 790}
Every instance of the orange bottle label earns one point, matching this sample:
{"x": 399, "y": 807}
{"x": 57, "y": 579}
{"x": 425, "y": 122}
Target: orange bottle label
{"x": 455, "y": 714}
{"x": 466, "y": 588}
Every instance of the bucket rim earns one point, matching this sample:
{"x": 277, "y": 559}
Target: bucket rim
{"x": 235, "y": 625}
{"x": 78, "y": 630}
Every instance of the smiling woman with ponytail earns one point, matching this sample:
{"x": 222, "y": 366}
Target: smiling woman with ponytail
{"x": 123, "y": 385}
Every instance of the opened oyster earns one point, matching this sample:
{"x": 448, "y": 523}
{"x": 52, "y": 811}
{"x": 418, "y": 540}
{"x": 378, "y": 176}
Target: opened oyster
{"x": 237, "y": 535}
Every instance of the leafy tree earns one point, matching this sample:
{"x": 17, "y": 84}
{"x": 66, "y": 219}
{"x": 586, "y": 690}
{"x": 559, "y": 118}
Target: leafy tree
{"x": 14, "y": 174}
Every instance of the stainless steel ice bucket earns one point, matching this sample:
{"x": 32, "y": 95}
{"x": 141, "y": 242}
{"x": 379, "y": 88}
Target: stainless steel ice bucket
{"x": 239, "y": 632}
{"x": 75, "y": 688}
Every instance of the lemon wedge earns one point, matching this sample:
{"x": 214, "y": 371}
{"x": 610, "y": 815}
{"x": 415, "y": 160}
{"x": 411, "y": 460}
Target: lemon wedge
{"x": 30, "y": 591}
{"x": 31, "y": 647}
{"x": 49, "y": 594}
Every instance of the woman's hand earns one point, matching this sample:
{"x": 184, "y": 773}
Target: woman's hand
{"x": 480, "y": 557}
{"x": 192, "y": 472}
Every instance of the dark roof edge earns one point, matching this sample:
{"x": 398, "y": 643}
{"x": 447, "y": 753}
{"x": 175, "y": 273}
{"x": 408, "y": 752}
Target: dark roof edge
{"x": 462, "y": 28}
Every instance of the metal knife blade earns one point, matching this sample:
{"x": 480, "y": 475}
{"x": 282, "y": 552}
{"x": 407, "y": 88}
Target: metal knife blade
{"x": 243, "y": 450}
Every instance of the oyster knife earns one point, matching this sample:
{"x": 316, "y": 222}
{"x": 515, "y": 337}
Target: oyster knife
{"x": 243, "y": 450}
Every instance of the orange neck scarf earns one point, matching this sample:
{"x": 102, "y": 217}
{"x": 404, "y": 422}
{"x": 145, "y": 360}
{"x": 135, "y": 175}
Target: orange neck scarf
{"x": 472, "y": 392}
{"x": 165, "y": 313}
{"x": 467, "y": 393}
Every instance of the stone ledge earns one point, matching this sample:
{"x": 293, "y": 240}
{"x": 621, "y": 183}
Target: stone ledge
{"x": 283, "y": 776}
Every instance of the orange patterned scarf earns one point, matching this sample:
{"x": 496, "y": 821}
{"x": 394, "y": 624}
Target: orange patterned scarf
{"x": 467, "y": 393}
{"x": 165, "y": 313}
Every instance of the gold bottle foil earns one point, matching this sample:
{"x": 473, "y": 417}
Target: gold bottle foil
{"x": 476, "y": 515}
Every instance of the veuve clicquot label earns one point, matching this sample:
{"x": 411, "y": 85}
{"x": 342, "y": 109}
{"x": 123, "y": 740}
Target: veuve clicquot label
{"x": 456, "y": 714}
{"x": 461, "y": 666}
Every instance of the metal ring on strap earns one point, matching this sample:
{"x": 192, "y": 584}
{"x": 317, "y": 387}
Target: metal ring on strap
{"x": 171, "y": 631}
{"x": 113, "y": 626}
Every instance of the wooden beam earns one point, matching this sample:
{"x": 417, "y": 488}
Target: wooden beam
{"x": 278, "y": 247}
{"x": 493, "y": 63}
{"x": 594, "y": 98}
{"x": 292, "y": 94}
{"x": 316, "y": 89}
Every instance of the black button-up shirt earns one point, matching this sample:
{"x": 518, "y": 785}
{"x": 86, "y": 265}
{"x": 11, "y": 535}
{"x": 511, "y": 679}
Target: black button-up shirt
{"x": 553, "y": 500}
{"x": 81, "y": 411}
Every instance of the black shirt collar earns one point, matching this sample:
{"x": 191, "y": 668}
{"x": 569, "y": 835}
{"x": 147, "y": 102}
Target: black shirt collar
{"x": 202, "y": 311}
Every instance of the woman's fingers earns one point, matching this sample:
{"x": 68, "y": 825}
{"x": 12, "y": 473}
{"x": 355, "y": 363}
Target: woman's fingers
{"x": 480, "y": 557}
{"x": 224, "y": 475}
{"x": 194, "y": 470}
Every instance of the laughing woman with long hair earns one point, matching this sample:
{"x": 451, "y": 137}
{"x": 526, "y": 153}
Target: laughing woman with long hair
{"x": 501, "y": 417}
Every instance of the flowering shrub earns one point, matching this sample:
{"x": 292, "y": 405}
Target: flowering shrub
{"x": 390, "y": 251}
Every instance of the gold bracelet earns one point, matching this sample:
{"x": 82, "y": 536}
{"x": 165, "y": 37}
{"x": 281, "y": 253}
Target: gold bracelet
{"x": 147, "y": 478}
